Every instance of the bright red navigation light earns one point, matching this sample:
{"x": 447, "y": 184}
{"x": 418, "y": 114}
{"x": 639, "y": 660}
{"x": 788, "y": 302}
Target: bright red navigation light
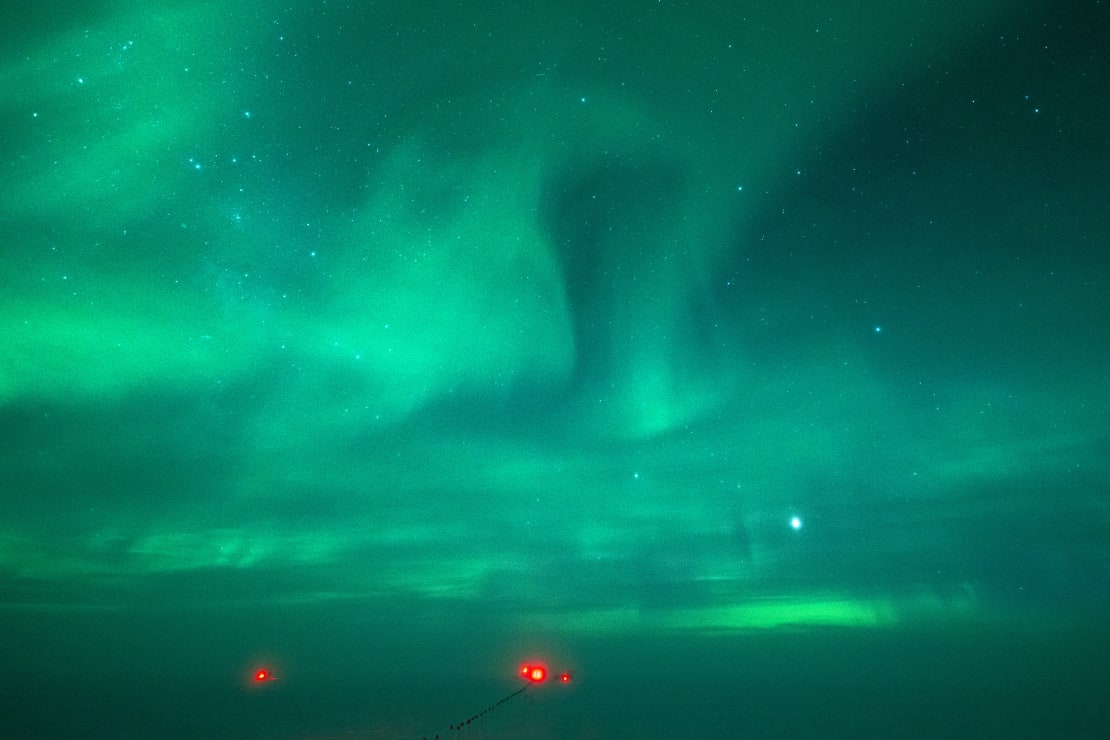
{"x": 533, "y": 673}
{"x": 261, "y": 675}
{"x": 564, "y": 677}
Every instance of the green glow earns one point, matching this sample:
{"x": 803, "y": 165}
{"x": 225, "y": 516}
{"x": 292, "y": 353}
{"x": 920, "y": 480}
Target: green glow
{"x": 790, "y": 613}
{"x": 383, "y": 346}
{"x": 108, "y": 111}
{"x": 572, "y": 333}
{"x": 89, "y": 342}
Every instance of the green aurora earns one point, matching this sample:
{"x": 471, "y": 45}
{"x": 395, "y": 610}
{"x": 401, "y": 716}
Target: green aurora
{"x": 544, "y": 322}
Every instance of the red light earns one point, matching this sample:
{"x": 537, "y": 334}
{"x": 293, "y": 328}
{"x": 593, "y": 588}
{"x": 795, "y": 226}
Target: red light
{"x": 533, "y": 673}
{"x": 564, "y": 677}
{"x": 261, "y": 672}
{"x": 264, "y": 677}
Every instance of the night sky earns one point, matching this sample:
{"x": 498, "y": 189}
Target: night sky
{"x": 746, "y": 359}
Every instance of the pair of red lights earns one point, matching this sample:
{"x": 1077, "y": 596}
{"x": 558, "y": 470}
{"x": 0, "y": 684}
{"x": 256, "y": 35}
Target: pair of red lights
{"x": 538, "y": 673}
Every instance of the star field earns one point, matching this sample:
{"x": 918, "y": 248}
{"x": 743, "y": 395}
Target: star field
{"x": 380, "y": 331}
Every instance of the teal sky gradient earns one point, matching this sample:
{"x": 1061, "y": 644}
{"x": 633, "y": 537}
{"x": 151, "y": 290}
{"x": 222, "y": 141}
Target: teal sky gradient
{"x": 543, "y": 323}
